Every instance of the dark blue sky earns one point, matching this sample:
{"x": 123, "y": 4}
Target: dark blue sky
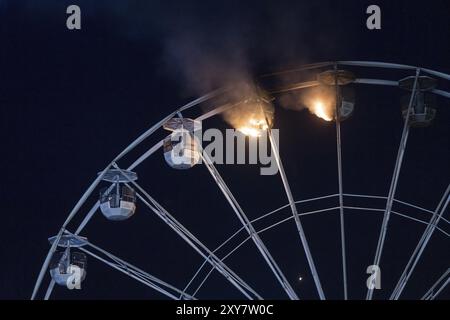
{"x": 72, "y": 100}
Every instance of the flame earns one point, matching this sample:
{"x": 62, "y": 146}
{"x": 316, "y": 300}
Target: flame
{"x": 321, "y": 111}
{"x": 254, "y": 127}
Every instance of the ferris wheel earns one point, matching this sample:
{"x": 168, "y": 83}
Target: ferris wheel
{"x": 121, "y": 194}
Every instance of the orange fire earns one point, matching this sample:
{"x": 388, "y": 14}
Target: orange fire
{"x": 320, "y": 110}
{"x": 254, "y": 127}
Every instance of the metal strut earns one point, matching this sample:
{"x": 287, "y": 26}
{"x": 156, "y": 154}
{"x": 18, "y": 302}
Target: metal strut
{"x": 435, "y": 289}
{"x": 421, "y": 245}
{"x": 341, "y": 198}
{"x": 295, "y": 214}
{"x": 393, "y": 187}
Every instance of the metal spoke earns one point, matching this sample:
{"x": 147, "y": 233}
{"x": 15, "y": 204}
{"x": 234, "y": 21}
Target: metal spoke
{"x": 49, "y": 289}
{"x": 393, "y": 187}
{"x": 421, "y": 245}
{"x": 435, "y": 289}
{"x": 295, "y": 214}
{"x": 340, "y": 183}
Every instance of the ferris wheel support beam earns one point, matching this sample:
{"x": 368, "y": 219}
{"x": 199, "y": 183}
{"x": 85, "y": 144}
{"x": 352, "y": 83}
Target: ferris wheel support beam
{"x": 49, "y": 289}
{"x": 248, "y": 226}
{"x": 421, "y": 245}
{"x": 432, "y": 293}
{"x": 340, "y": 185}
{"x": 196, "y": 244}
{"x": 298, "y": 223}
{"x": 394, "y": 181}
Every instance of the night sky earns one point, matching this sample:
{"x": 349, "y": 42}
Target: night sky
{"x": 70, "y": 101}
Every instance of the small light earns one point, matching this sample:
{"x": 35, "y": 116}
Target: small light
{"x": 300, "y": 278}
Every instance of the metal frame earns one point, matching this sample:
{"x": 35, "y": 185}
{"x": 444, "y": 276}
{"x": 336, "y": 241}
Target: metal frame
{"x": 217, "y": 264}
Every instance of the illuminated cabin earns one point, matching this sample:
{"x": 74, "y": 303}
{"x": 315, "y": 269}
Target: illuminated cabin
{"x": 118, "y": 201}
{"x": 331, "y": 80}
{"x": 181, "y": 150}
{"x": 423, "y": 105}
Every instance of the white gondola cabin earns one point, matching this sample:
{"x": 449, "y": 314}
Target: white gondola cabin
{"x": 181, "y": 148}
{"x": 118, "y": 201}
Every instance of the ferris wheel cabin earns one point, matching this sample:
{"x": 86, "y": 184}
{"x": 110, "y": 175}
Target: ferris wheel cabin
{"x": 68, "y": 267}
{"x": 181, "y": 150}
{"x": 336, "y": 82}
{"x": 423, "y": 109}
{"x": 118, "y": 201}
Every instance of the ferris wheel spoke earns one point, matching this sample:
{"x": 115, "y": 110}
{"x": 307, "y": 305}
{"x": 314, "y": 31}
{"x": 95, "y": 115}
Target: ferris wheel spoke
{"x": 394, "y": 181}
{"x": 435, "y": 289}
{"x": 341, "y": 210}
{"x": 295, "y": 214}
{"x": 249, "y": 227}
{"x": 421, "y": 245}
{"x": 340, "y": 184}
{"x": 50, "y": 288}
